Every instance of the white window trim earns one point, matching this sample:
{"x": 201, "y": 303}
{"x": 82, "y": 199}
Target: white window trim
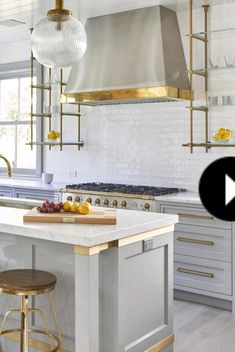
{"x": 15, "y": 70}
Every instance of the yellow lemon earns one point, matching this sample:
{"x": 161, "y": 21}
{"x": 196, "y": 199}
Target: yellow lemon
{"x": 52, "y": 135}
{"x": 227, "y": 136}
{"x": 57, "y": 134}
{"x": 217, "y": 137}
{"x": 85, "y": 208}
{"x": 75, "y": 208}
{"x": 67, "y": 206}
{"x": 221, "y": 131}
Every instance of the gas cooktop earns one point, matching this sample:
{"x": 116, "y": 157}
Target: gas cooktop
{"x": 123, "y": 189}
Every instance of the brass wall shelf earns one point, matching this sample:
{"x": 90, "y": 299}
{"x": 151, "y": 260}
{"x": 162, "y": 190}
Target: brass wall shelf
{"x": 54, "y": 144}
{"x": 215, "y": 31}
{"x": 203, "y": 73}
{"x": 71, "y": 114}
{"x": 198, "y": 108}
{"x": 41, "y": 86}
{"x": 51, "y": 116}
{"x": 41, "y": 115}
{"x": 209, "y": 145}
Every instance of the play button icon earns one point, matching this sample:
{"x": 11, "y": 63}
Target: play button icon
{"x": 229, "y": 189}
{"x": 217, "y": 188}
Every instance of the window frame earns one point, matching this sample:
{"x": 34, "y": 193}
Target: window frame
{"x": 20, "y": 70}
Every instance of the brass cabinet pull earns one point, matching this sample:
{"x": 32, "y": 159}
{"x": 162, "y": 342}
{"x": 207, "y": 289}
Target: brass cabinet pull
{"x": 191, "y": 240}
{"x": 194, "y": 216}
{"x": 195, "y": 272}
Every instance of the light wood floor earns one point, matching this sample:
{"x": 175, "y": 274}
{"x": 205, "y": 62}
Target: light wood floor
{"x": 201, "y": 328}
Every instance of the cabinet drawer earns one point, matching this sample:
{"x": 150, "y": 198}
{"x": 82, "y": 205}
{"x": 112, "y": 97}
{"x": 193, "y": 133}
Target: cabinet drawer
{"x": 195, "y": 216}
{"x": 5, "y": 192}
{"x": 203, "y": 242}
{"x": 203, "y": 274}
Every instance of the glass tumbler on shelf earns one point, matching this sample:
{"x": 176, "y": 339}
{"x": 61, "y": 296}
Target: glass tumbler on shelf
{"x": 227, "y": 100}
{"x": 213, "y": 101}
{"x": 229, "y": 61}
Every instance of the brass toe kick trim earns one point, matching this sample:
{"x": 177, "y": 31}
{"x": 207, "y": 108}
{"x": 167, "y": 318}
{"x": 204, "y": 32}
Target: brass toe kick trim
{"x": 162, "y": 344}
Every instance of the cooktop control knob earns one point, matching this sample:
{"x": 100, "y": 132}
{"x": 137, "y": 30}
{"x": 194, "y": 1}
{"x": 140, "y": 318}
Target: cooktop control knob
{"x": 77, "y": 199}
{"x": 106, "y": 202}
{"x": 97, "y": 201}
{"x": 146, "y": 206}
{"x": 123, "y": 204}
{"x": 69, "y": 199}
{"x": 114, "y": 203}
{"x": 89, "y": 200}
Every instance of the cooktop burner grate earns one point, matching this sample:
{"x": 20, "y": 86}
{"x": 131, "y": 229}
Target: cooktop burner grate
{"x": 124, "y": 189}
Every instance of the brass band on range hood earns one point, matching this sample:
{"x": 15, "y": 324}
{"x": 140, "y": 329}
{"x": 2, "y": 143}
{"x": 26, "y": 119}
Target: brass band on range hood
{"x": 120, "y": 95}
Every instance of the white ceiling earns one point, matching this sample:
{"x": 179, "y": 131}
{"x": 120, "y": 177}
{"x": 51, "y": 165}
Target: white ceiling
{"x": 30, "y": 11}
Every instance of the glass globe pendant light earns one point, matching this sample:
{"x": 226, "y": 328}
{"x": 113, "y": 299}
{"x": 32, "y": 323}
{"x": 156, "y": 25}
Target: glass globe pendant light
{"x": 59, "y": 39}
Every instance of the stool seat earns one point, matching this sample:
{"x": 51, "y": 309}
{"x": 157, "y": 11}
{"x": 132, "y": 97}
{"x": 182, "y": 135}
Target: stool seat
{"x": 26, "y": 282}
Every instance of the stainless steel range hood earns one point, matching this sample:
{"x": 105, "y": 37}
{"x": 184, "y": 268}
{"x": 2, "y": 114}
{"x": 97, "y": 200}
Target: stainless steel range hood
{"x": 132, "y": 57}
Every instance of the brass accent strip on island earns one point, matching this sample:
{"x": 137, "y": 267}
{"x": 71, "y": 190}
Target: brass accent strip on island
{"x": 88, "y": 251}
{"x": 145, "y": 235}
{"x": 162, "y": 344}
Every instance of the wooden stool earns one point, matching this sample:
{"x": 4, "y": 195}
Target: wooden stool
{"x": 25, "y": 283}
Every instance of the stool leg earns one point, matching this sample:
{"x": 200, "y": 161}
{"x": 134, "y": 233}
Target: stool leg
{"x": 44, "y": 321}
{"x": 25, "y": 304}
{"x": 53, "y": 311}
{"x": 7, "y": 315}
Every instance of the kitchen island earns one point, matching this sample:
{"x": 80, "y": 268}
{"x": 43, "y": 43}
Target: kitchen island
{"x": 115, "y": 282}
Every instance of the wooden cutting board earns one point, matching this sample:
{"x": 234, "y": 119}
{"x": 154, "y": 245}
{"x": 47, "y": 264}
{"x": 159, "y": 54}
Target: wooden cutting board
{"x": 107, "y": 217}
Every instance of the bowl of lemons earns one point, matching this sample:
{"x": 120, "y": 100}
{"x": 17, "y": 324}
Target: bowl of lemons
{"x": 53, "y": 135}
{"x": 223, "y": 135}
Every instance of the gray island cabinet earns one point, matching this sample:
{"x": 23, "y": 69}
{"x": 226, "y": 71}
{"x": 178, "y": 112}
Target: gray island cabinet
{"x": 115, "y": 282}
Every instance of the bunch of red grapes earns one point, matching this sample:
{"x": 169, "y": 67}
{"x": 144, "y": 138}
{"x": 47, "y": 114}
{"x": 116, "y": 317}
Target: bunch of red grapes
{"x": 50, "y": 207}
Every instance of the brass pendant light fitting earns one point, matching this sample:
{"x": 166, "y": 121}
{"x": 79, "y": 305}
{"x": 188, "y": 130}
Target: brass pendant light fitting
{"x": 59, "y": 13}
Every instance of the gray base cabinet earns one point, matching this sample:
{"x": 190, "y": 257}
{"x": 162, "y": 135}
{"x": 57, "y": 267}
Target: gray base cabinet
{"x": 36, "y": 194}
{"x": 203, "y": 252}
{"x": 139, "y": 298}
{"x": 5, "y": 192}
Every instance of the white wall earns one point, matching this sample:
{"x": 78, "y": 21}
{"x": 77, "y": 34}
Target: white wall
{"x": 143, "y": 143}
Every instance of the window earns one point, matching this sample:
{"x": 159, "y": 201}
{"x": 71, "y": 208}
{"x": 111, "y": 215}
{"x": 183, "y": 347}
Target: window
{"x": 15, "y": 120}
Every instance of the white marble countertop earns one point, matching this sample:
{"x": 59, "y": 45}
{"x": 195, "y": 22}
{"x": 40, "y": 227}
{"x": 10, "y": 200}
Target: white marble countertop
{"x": 30, "y": 184}
{"x": 129, "y": 223}
{"x": 182, "y": 197}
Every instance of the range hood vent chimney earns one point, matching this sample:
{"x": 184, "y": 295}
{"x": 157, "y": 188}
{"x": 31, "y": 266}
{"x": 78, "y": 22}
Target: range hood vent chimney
{"x": 132, "y": 57}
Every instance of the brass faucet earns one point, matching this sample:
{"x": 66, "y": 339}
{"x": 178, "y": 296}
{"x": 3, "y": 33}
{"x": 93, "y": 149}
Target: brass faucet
{"x": 8, "y": 164}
